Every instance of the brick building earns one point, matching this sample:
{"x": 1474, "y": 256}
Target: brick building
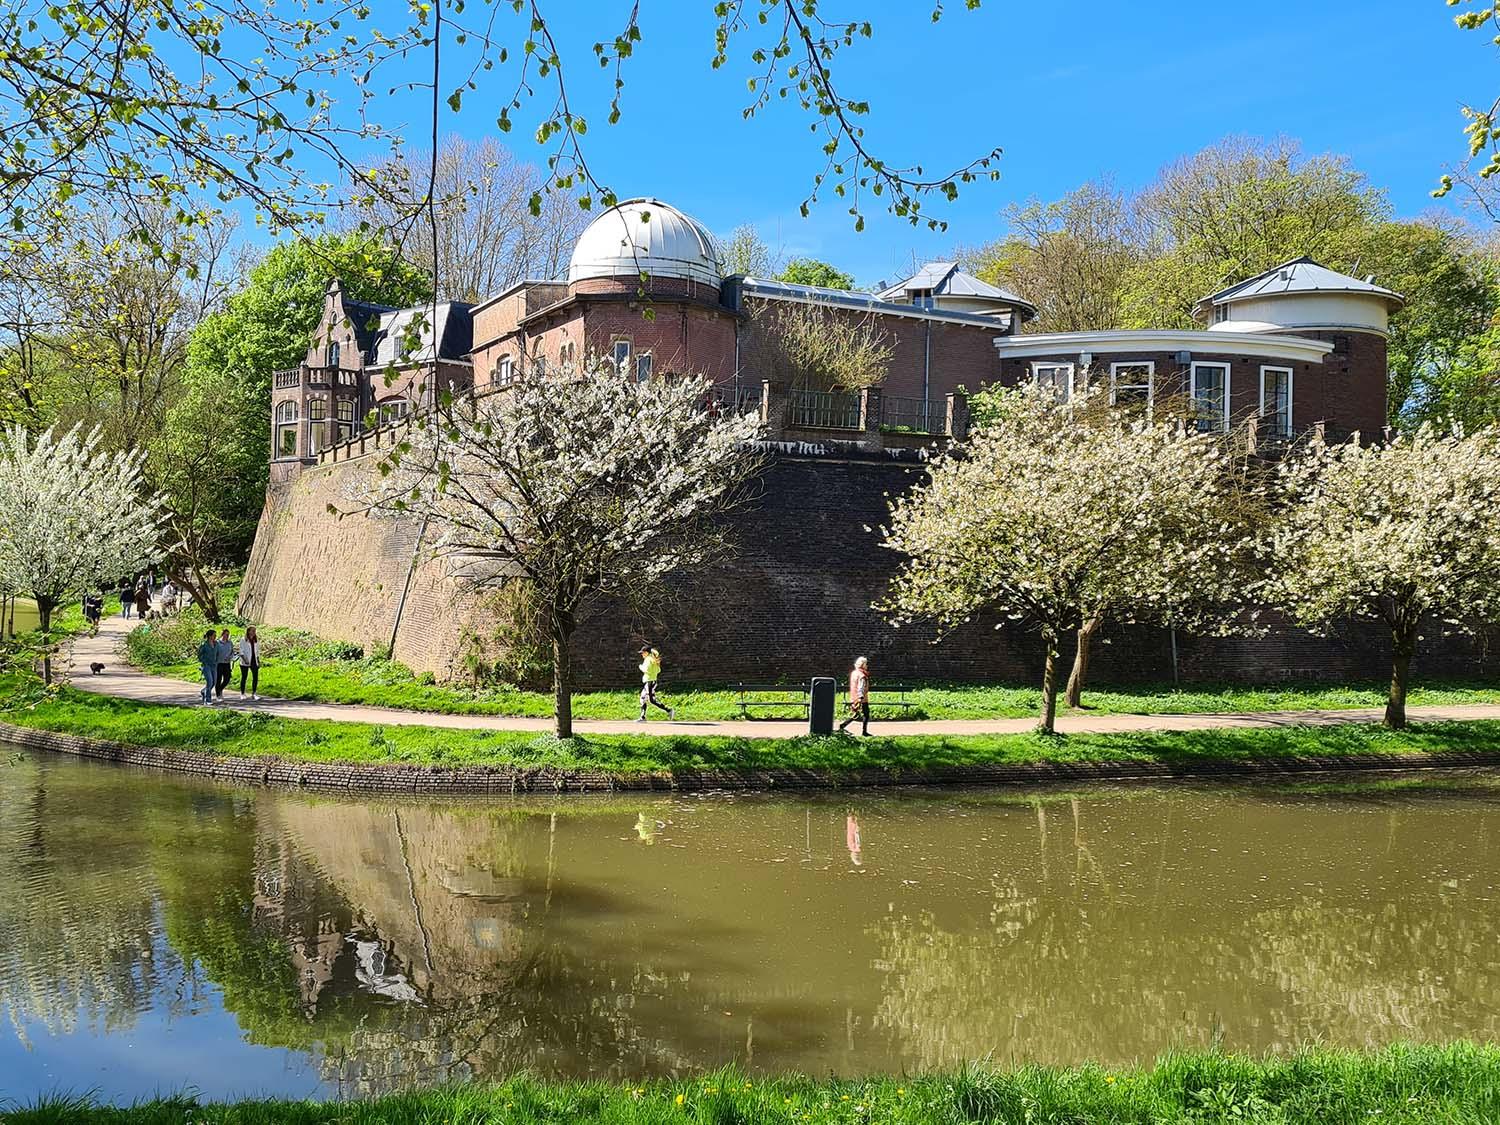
{"x": 1296, "y": 347}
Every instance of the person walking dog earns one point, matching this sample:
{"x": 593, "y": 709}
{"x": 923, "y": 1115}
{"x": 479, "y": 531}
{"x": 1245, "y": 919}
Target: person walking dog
{"x": 650, "y": 671}
{"x": 859, "y": 697}
{"x": 250, "y": 662}
{"x": 208, "y": 665}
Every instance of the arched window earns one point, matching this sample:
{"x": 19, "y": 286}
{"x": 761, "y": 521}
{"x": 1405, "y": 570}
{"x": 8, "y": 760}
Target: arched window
{"x": 286, "y": 429}
{"x": 333, "y": 354}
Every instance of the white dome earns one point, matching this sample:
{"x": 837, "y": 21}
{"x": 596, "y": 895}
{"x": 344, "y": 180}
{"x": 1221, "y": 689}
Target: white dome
{"x": 645, "y": 236}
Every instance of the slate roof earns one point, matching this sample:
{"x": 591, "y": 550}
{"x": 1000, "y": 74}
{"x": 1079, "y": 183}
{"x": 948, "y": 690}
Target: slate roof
{"x": 455, "y": 334}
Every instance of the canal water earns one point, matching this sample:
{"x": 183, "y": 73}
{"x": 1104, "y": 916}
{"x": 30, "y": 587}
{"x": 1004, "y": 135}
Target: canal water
{"x": 158, "y": 933}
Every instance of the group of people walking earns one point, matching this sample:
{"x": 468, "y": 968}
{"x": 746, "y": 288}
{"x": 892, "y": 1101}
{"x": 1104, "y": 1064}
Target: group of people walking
{"x": 217, "y": 656}
{"x": 138, "y": 594}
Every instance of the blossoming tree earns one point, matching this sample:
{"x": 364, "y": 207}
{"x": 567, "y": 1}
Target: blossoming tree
{"x": 580, "y": 487}
{"x": 1060, "y": 517}
{"x": 71, "y": 515}
{"x": 1406, "y": 533}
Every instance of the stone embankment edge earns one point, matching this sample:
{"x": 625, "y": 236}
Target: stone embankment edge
{"x": 511, "y": 781}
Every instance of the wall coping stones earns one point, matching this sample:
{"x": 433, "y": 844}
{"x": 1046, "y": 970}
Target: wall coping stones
{"x": 503, "y": 781}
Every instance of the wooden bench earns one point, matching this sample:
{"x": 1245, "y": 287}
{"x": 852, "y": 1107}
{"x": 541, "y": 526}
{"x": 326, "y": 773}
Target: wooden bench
{"x": 785, "y": 696}
{"x": 880, "y": 697}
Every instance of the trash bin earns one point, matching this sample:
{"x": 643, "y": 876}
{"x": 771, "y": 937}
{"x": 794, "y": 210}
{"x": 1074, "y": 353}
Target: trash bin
{"x": 820, "y": 702}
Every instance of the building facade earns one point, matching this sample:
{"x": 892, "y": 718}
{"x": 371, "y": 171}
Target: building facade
{"x": 1296, "y": 348}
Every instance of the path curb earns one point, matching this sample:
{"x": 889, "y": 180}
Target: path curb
{"x": 510, "y": 781}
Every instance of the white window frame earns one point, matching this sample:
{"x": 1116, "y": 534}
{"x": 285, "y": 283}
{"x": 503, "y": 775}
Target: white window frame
{"x": 1039, "y": 366}
{"x": 1223, "y": 421}
{"x": 621, "y": 361}
{"x": 1290, "y": 376}
{"x": 392, "y": 410}
{"x": 1221, "y": 313}
{"x": 505, "y": 371}
{"x": 1150, "y": 384}
{"x": 649, "y": 361}
{"x": 287, "y": 419}
{"x": 332, "y": 355}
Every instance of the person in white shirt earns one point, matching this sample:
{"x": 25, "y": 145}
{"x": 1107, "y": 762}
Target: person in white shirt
{"x": 250, "y": 662}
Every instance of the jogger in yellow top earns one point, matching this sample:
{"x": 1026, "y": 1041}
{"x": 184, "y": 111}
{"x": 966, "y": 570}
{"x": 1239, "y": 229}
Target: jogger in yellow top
{"x": 650, "y": 670}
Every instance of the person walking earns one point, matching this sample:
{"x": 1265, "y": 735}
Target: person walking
{"x": 250, "y": 662}
{"x": 208, "y": 666}
{"x": 859, "y": 697}
{"x": 142, "y": 599}
{"x": 225, "y": 661}
{"x": 127, "y": 597}
{"x": 650, "y": 671}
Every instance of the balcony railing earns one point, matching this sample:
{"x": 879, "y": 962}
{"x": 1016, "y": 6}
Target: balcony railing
{"x": 914, "y": 415}
{"x": 824, "y": 410}
{"x": 317, "y": 377}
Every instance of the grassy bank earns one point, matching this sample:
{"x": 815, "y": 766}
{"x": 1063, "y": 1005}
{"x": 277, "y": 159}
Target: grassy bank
{"x": 1454, "y": 1083}
{"x": 301, "y": 666}
{"x": 249, "y": 734}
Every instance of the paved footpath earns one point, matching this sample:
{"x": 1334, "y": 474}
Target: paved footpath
{"x": 126, "y": 682}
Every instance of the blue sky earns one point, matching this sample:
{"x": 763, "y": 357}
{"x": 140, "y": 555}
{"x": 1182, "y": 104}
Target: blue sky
{"x": 1069, "y": 91}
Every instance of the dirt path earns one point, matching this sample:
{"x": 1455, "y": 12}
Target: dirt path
{"x": 123, "y": 681}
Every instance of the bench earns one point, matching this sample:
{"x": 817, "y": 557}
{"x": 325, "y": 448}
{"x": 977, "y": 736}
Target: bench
{"x": 880, "y": 696}
{"x": 783, "y": 696}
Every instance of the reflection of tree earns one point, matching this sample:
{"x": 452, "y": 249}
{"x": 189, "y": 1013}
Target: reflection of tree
{"x": 1065, "y": 970}
{"x": 76, "y": 890}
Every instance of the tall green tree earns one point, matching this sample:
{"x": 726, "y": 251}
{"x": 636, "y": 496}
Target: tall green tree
{"x": 810, "y": 271}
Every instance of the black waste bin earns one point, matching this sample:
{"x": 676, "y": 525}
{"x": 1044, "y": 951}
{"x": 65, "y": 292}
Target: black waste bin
{"x": 820, "y": 705}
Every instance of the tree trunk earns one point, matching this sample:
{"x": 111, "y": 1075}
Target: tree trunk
{"x": 1049, "y": 685}
{"x": 44, "y": 623}
{"x": 1403, "y": 645}
{"x": 562, "y": 676}
{"x": 191, "y": 579}
{"x": 1073, "y": 696}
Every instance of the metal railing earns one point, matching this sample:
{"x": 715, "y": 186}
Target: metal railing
{"x": 824, "y": 410}
{"x": 921, "y": 416}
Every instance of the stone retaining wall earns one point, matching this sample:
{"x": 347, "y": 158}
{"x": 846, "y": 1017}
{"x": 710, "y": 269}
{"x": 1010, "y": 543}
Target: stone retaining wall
{"x": 499, "y": 781}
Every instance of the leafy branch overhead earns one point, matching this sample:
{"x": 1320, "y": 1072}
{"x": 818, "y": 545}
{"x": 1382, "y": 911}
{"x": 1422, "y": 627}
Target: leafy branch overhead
{"x": 194, "y": 105}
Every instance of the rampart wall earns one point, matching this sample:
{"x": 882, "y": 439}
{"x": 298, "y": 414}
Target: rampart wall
{"x": 794, "y": 602}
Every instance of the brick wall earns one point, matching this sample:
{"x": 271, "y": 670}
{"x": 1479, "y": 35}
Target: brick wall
{"x": 793, "y": 602}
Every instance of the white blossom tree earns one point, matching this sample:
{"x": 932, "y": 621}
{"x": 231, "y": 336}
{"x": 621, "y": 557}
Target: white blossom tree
{"x": 71, "y": 515}
{"x": 581, "y": 487}
{"x": 1061, "y": 517}
{"x": 1406, "y": 533}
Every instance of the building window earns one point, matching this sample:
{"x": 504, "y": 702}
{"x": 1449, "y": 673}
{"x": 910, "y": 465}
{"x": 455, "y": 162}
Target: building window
{"x": 643, "y": 367}
{"x": 286, "y": 429}
{"x": 505, "y": 371}
{"x": 566, "y": 354}
{"x": 619, "y": 351}
{"x": 1132, "y": 384}
{"x": 922, "y": 298}
{"x": 344, "y": 409}
{"x": 393, "y": 410}
{"x": 1055, "y": 377}
{"x": 1276, "y": 402}
{"x": 1211, "y": 396}
{"x": 333, "y": 354}
{"x": 1221, "y": 313}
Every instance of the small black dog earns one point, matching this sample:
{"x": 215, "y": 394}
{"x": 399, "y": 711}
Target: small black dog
{"x": 96, "y": 667}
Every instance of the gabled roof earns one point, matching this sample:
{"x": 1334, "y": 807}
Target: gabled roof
{"x": 454, "y": 332}
{"x": 1300, "y": 275}
{"x": 945, "y": 279}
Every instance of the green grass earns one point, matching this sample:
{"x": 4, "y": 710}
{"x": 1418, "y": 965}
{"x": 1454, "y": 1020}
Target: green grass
{"x": 1454, "y": 1083}
{"x": 239, "y": 733}
{"x": 300, "y": 666}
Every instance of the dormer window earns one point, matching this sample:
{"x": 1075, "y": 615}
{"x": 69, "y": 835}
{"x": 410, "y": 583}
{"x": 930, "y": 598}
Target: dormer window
{"x": 1221, "y": 313}
{"x": 922, "y": 298}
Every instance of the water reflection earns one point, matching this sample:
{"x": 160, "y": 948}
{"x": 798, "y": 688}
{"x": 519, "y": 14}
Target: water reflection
{"x": 378, "y": 944}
